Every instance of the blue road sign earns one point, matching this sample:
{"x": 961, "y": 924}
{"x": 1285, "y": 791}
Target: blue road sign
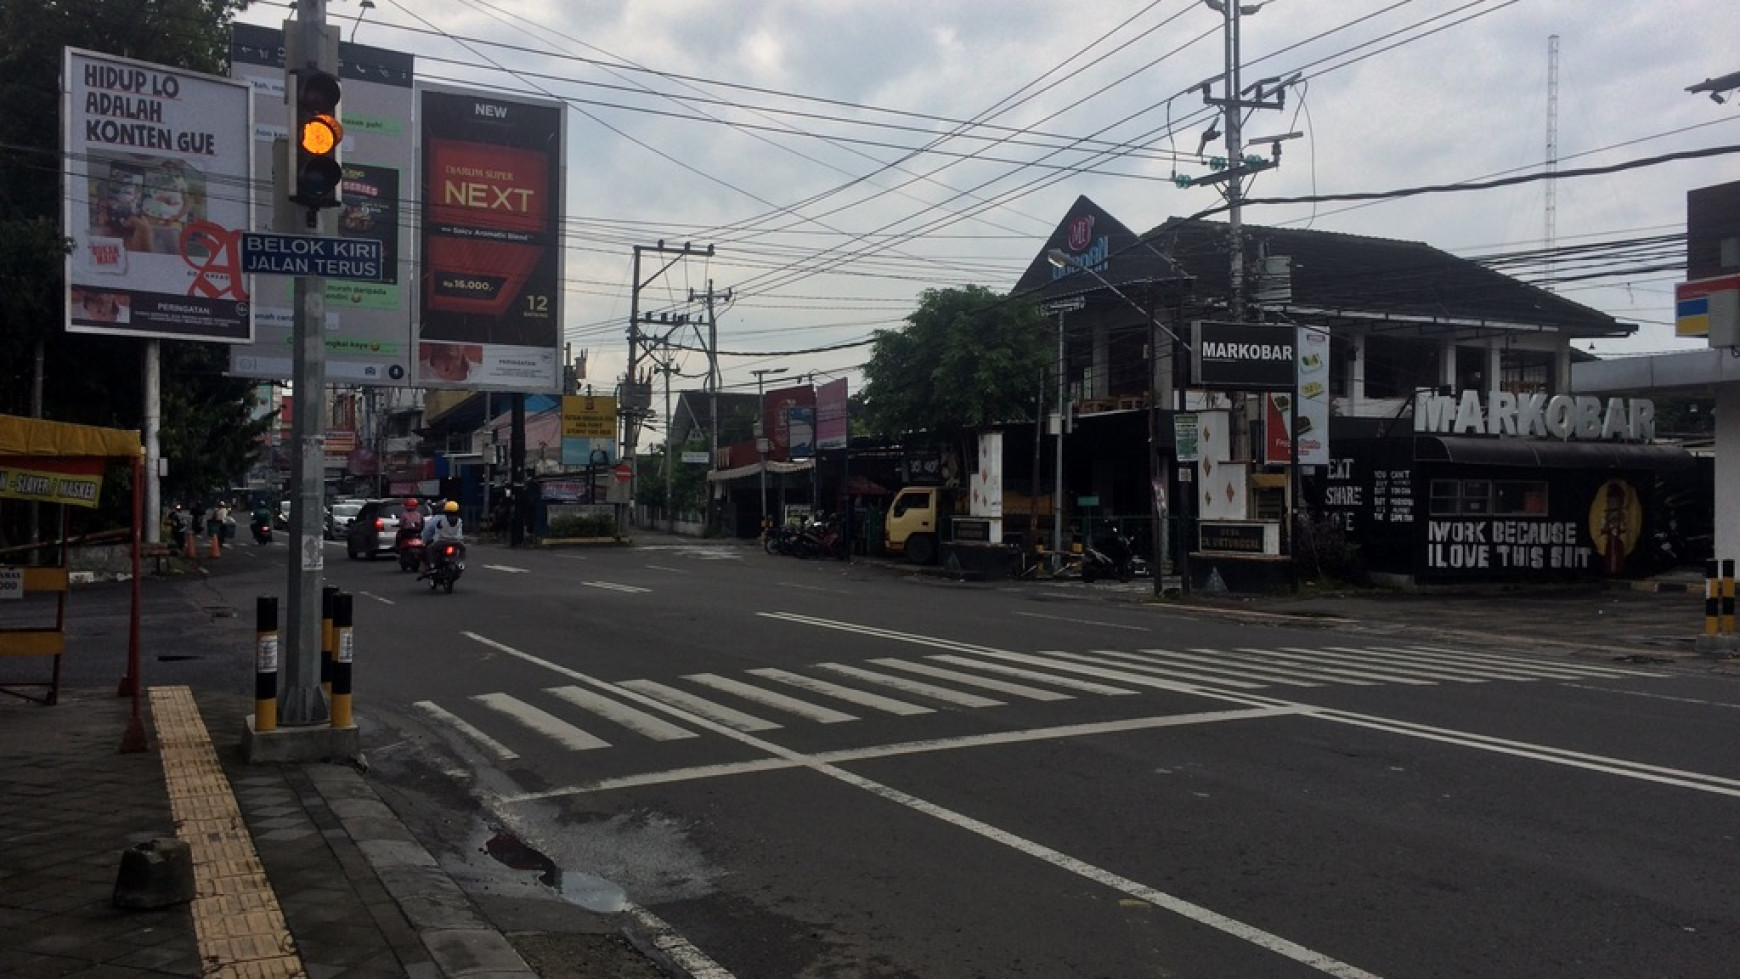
{"x": 331, "y": 258}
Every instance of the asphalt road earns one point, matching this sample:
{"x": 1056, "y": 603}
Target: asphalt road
{"x": 809, "y": 769}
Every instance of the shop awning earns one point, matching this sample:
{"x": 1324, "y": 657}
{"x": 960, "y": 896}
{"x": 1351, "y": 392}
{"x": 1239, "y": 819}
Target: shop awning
{"x": 1549, "y": 453}
{"x": 35, "y": 437}
{"x": 754, "y": 469}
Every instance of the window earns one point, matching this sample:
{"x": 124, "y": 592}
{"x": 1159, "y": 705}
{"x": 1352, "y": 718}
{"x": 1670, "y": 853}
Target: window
{"x": 1489, "y": 497}
{"x": 1526, "y": 371}
{"x": 1396, "y": 367}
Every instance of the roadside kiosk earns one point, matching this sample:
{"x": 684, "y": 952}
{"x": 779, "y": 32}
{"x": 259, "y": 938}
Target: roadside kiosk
{"x": 61, "y": 464}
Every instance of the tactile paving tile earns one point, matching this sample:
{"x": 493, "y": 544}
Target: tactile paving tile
{"x": 237, "y": 922}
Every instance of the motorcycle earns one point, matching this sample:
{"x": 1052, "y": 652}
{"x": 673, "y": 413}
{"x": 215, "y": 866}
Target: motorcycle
{"x": 1108, "y": 554}
{"x": 262, "y": 527}
{"x": 446, "y": 564}
{"x": 409, "y": 545}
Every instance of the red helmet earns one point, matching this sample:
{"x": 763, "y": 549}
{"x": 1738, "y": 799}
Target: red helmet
{"x": 410, "y": 501}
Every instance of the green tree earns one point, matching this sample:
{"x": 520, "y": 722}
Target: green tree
{"x": 206, "y": 428}
{"x": 967, "y": 358}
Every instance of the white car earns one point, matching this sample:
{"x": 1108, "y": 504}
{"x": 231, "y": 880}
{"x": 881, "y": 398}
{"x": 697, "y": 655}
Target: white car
{"x": 343, "y": 512}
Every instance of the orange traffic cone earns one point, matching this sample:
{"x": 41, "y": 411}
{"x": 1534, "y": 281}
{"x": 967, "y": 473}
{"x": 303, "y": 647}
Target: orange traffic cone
{"x": 214, "y": 543}
{"x": 187, "y": 546}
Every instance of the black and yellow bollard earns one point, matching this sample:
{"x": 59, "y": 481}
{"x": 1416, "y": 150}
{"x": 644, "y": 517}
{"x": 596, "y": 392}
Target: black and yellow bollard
{"x": 266, "y": 663}
{"x": 1712, "y": 598}
{"x": 1728, "y": 597}
{"x": 344, "y": 648}
{"x": 327, "y": 594}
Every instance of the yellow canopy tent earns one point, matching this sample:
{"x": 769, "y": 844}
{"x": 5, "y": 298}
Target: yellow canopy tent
{"x": 58, "y": 462}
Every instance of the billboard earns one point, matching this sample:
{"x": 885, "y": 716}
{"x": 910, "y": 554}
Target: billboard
{"x": 368, "y": 324}
{"x": 832, "y": 420}
{"x": 490, "y": 295}
{"x": 158, "y": 192}
{"x": 588, "y": 430}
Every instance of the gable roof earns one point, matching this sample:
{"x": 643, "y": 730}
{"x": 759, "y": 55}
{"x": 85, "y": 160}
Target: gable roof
{"x": 1374, "y": 280}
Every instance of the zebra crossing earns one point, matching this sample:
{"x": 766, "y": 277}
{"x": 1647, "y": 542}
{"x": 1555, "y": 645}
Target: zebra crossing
{"x": 972, "y": 678}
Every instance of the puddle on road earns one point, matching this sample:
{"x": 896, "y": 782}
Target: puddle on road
{"x": 588, "y": 891}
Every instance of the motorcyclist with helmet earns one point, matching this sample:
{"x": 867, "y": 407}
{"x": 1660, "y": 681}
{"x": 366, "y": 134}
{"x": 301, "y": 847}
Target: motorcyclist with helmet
{"x": 443, "y": 526}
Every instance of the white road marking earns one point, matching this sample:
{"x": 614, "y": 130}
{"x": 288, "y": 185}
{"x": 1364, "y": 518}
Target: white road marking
{"x": 983, "y": 683}
{"x": 1353, "y": 657}
{"x": 1066, "y": 682}
{"x": 699, "y": 706}
{"x": 803, "y": 587}
{"x": 1105, "y": 878}
{"x": 1093, "y": 622}
{"x": 378, "y": 598}
{"x": 771, "y": 698}
{"x": 851, "y": 695}
{"x": 1535, "y": 663}
{"x": 996, "y": 738}
{"x": 1385, "y": 655}
{"x": 1236, "y": 667}
{"x": 1320, "y": 667}
{"x": 612, "y": 586}
{"x": 501, "y": 751}
{"x": 694, "y": 963}
{"x": 1653, "y": 696}
{"x": 638, "y": 721}
{"x": 660, "y": 567}
{"x": 510, "y": 569}
{"x": 909, "y": 685}
{"x": 541, "y": 721}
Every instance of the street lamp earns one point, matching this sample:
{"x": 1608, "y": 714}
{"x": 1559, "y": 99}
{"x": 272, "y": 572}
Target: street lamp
{"x": 761, "y": 437}
{"x": 1158, "y": 538}
{"x": 1060, "y": 308}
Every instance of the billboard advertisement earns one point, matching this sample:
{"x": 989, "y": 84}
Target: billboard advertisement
{"x": 157, "y": 197}
{"x": 491, "y": 276}
{"x": 368, "y": 324}
{"x": 588, "y": 430}
{"x": 832, "y": 420}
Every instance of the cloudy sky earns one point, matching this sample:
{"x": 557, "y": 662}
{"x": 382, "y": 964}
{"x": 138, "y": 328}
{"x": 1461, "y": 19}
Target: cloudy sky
{"x": 843, "y": 155}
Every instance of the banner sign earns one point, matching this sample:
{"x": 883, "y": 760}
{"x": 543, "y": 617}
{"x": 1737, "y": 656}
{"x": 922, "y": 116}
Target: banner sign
{"x": 588, "y": 430}
{"x": 74, "y": 484}
{"x": 832, "y": 422}
{"x": 491, "y": 199}
{"x": 368, "y": 323}
{"x": 158, "y": 189}
{"x": 1243, "y": 356}
{"x": 1312, "y": 406}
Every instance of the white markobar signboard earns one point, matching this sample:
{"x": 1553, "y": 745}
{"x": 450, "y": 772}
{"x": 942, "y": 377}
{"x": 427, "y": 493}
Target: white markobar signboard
{"x": 158, "y": 190}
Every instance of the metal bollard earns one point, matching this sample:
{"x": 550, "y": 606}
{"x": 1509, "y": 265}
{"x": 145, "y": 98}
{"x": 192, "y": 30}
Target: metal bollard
{"x": 266, "y": 663}
{"x": 344, "y": 647}
{"x": 327, "y": 595}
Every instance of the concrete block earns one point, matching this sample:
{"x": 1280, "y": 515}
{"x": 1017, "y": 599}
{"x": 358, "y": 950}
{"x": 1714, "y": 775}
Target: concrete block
{"x": 154, "y": 874}
{"x": 297, "y": 745}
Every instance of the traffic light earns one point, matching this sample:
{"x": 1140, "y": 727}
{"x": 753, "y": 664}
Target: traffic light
{"x": 318, "y": 135}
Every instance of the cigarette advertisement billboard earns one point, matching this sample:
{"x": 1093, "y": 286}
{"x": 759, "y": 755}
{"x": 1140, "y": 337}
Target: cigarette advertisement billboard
{"x": 368, "y": 324}
{"x": 158, "y": 190}
{"x": 491, "y": 277}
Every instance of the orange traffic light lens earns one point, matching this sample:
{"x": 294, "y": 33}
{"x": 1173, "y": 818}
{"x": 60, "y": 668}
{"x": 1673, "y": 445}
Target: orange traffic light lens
{"x": 321, "y": 134}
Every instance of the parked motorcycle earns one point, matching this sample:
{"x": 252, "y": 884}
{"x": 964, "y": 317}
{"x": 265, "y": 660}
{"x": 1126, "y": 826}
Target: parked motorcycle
{"x": 409, "y": 545}
{"x": 1108, "y": 554}
{"x": 447, "y": 563}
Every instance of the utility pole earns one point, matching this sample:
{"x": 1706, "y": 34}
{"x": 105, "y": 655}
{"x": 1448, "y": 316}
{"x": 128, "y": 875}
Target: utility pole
{"x": 708, "y": 298}
{"x": 311, "y": 52}
{"x": 629, "y": 404}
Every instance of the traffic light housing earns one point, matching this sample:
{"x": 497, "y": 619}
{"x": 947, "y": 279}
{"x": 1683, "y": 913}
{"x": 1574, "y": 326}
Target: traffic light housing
{"x": 317, "y": 137}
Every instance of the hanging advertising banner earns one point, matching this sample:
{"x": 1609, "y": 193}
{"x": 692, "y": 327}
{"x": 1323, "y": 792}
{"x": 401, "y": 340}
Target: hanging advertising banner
{"x": 491, "y": 199}
{"x": 832, "y": 421}
{"x": 800, "y": 427}
{"x": 588, "y": 430}
{"x": 74, "y": 482}
{"x": 1312, "y": 406}
{"x": 158, "y": 190}
{"x": 368, "y": 323}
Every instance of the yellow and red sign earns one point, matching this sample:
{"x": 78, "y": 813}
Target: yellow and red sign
{"x": 75, "y": 482}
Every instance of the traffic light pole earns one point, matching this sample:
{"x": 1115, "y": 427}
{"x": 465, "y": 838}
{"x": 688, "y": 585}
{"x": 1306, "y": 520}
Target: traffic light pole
{"x": 310, "y": 45}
